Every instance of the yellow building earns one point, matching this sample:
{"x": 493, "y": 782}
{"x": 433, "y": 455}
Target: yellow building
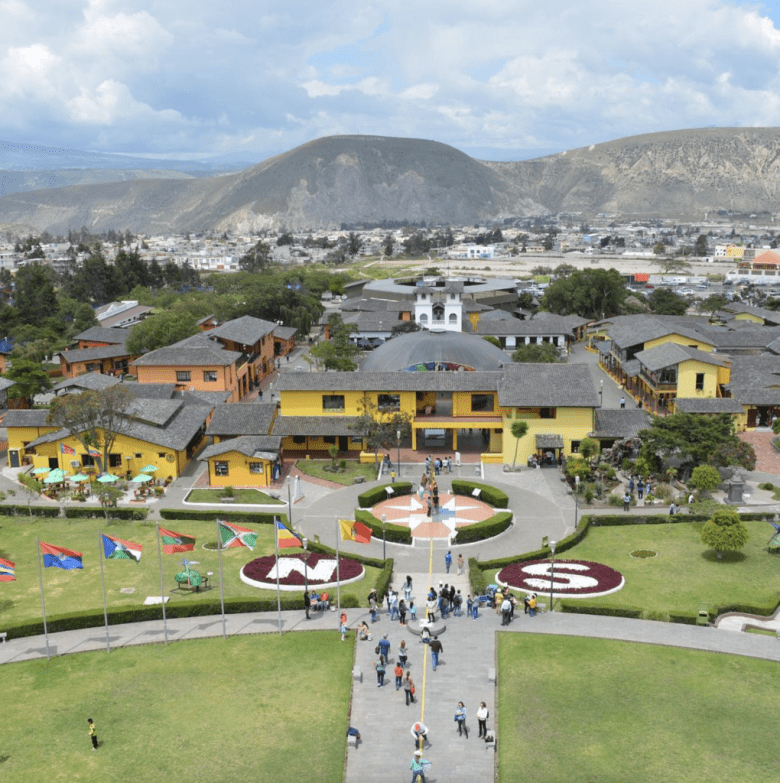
{"x": 248, "y": 461}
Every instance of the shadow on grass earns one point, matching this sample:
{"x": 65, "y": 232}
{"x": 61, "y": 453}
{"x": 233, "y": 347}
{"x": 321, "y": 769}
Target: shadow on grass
{"x": 711, "y": 556}
{"x": 4, "y": 757}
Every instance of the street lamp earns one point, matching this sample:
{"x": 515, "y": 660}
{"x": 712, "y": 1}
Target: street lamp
{"x": 552, "y": 571}
{"x": 398, "y": 454}
{"x": 384, "y": 543}
{"x": 601, "y": 394}
{"x": 305, "y": 555}
{"x": 576, "y": 500}
{"x": 289, "y": 499}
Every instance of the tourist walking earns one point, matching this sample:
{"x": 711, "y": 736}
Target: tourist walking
{"x": 402, "y": 611}
{"x": 436, "y": 651}
{"x": 418, "y": 766}
{"x": 399, "y": 674}
{"x": 380, "y": 671}
{"x": 506, "y": 610}
{"x": 482, "y": 715}
{"x": 306, "y": 603}
{"x": 640, "y": 488}
{"x": 448, "y": 561}
{"x": 92, "y": 732}
{"x": 408, "y": 589}
{"x": 343, "y": 626}
{"x": 384, "y": 647}
{"x": 403, "y": 653}
{"x": 622, "y": 402}
{"x": 626, "y": 501}
{"x": 409, "y": 689}
{"x": 430, "y": 610}
{"x": 460, "y": 719}
{"x": 460, "y": 564}
{"x": 532, "y": 604}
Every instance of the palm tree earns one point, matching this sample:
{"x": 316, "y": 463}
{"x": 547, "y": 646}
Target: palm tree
{"x": 519, "y": 430}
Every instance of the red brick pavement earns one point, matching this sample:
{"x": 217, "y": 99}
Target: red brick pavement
{"x": 767, "y": 458}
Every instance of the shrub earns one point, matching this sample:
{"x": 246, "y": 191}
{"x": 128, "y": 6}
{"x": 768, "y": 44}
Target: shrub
{"x": 591, "y": 607}
{"x": 250, "y": 517}
{"x": 477, "y": 577}
{"x": 385, "y": 577}
{"x": 371, "y": 497}
{"x": 228, "y": 492}
{"x": 395, "y": 533}
{"x": 576, "y": 466}
{"x": 704, "y": 477}
{"x": 768, "y": 485}
{"x": 491, "y": 495}
{"x": 589, "y": 495}
{"x": 589, "y": 447}
{"x": 724, "y": 532}
{"x": 92, "y": 512}
{"x": 36, "y": 511}
{"x": 487, "y": 528}
{"x": 616, "y": 500}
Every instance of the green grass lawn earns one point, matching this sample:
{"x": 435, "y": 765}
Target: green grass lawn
{"x": 599, "y": 711}
{"x": 314, "y": 467}
{"x": 245, "y": 496}
{"x": 685, "y": 572}
{"x": 67, "y": 591}
{"x": 252, "y": 708}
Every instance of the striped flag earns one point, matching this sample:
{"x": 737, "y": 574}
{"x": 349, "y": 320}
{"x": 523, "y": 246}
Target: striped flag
{"x": 233, "y": 535}
{"x": 65, "y": 449}
{"x": 93, "y": 452}
{"x": 7, "y": 571}
{"x": 286, "y": 538}
{"x": 176, "y": 542}
{"x": 117, "y": 549}
{"x": 59, "y": 557}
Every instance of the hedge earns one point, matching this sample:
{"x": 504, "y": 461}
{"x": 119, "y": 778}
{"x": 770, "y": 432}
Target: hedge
{"x": 491, "y": 495}
{"x": 13, "y": 510}
{"x": 371, "y": 497}
{"x": 487, "y": 528}
{"x": 617, "y": 520}
{"x": 92, "y": 512}
{"x": 476, "y": 577}
{"x": 372, "y": 562}
{"x": 395, "y": 533}
{"x": 251, "y": 517}
{"x": 383, "y": 582}
{"x": 577, "y": 607}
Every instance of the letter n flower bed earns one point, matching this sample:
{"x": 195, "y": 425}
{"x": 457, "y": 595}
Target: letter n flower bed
{"x": 573, "y": 578}
{"x": 293, "y": 570}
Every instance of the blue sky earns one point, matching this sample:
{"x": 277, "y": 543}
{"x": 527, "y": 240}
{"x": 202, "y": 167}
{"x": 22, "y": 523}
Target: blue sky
{"x": 502, "y": 79}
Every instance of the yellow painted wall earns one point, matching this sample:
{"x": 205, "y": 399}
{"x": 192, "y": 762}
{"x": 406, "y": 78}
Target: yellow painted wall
{"x": 315, "y": 444}
{"x": 461, "y": 405}
{"x": 680, "y": 340}
{"x": 238, "y": 471}
{"x": 686, "y": 379}
{"x": 570, "y": 423}
{"x": 309, "y": 403}
{"x": 724, "y": 375}
{"x": 17, "y": 436}
{"x": 749, "y": 317}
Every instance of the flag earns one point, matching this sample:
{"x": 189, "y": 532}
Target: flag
{"x": 347, "y": 533}
{"x": 233, "y": 535}
{"x": 93, "y": 452}
{"x": 59, "y": 557}
{"x": 362, "y": 533}
{"x": 117, "y": 549}
{"x": 7, "y": 572}
{"x": 286, "y": 538}
{"x": 176, "y": 542}
{"x": 65, "y": 449}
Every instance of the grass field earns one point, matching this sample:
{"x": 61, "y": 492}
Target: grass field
{"x": 599, "y": 711}
{"x": 254, "y": 708}
{"x": 242, "y": 496}
{"x": 685, "y": 572}
{"x": 314, "y": 467}
{"x": 68, "y": 591}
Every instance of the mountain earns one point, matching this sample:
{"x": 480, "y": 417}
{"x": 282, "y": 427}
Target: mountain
{"x": 352, "y": 179}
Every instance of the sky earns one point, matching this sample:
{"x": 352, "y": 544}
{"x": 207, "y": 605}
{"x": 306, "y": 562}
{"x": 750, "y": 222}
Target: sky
{"x": 498, "y": 79}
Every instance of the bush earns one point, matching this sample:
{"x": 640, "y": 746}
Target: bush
{"x": 768, "y": 485}
{"x": 384, "y": 579}
{"x": 724, "y": 532}
{"x": 395, "y": 533}
{"x": 487, "y": 528}
{"x": 579, "y": 607}
{"x": 616, "y": 500}
{"x": 97, "y": 512}
{"x": 704, "y": 477}
{"x": 371, "y": 497}
{"x": 476, "y": 577}
{"x": 228, "y": 492}
{"x": 250, "y": 517}
{"x": 37, "y": 511}
{"x": 492, "y": 496}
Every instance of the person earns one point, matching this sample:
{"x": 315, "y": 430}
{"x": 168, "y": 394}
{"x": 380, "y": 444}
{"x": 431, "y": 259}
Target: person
{"x": 306, "y": 604}
{"x": 428, "y": 465}
{"x": 430, "y": 610}
{"x": 526, "y": 603}
{"x": 449, "y": 465}
{"x": 418, "y": 767}
{"x": 394, "y": 610}
{"x": 402, "y": 611}
{"x": 622, "y": 402}
{"x": 631, "y": 484}
{"x": 506, "y": 608}
{"x": 392, "y": 476}
{"x": 343, "y": 626}
{"x": 399, "y": 675}
{"x": 428, "y": 506}
{"x": 384, "y": 647}
{"x": 436, "y": 498}
{"x": 460, "y": 564}
{"x": 372, "y": 607}
{"x": 482, "y": 715}
{"x": 532, "y": 604}
{"x": 690, "y": 499}
{"x": 513, "y": 601}
{"x": 448, "y": 560}
{"x": 421, "y": 486}
{"x": 626, "y": 501}
{"x": 420, "y": 733}
{"x": 640, "y": 488}
{"x": 470, "y": 605}
{"x": 403, "y": 653}
{"x": 425, "y": 635}
{"x": 436, "y": 651}
{"x": 363, "y": 632}
{"x": 409, "y": 688}
{"x": 408, "y": 589}
{"x": 380, "y": 671}
{"x": 437, "y": 466}
{"x": 460, "y": 719}
{"x": 412, "y": 611}
{"x": 92, "y": 733}
{"x": 458, "y": 604}
{"x": 672, "y": 509}
{"x": 498, "y": 599}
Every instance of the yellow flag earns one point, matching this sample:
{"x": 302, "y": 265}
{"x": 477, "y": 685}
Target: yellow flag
{"x": 347, "y": 533}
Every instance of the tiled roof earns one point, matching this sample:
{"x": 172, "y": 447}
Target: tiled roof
{"x": 629, "y": 330}
{"x": 285, "y": 332}
{"x": 547, "y": 386}
{"x": 708, "y": 405}
{"x": 91, "y": 354}
{"x": 316, "y": 426}
{"x": 156, "y": 412}
{"x": 133, "y": 314}
{"x": 246, "y": 330}
{"x": 755, "y": 380}
{"x": 388, "y": 381}
{"x": 231, "y": 419}
{"x": 92, "y": 381}
{"x": 260, "y": 447}
{"x": 669, "y": 354}
{"x": 26, "y": 418}
{"x": 620, "y": 422}
{"x": 196, "y": 351}
{"x": 101, "y": 334}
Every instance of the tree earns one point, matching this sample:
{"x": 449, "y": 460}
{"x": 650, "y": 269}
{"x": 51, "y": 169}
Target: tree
{"x": 739, "y": 454}
{"x": 659, "y": 248}
{"x": 107, "y": 496}
{"x": 700, "y": 248}
{"x": 379, "y": 428}
{"x": 535, "y": 353}
{"x": 354, "y": 243}
{"x": 337, "y": 353}
{"x": 257, "y": 259}
{"x": 591, "y": 293}
{"x": 492, "y": 340}
{"x": 95, "y": 418}
{"x": 35, "y": 295}
{"x": 161, "y": 330}
{"x": 704, "y": 477}
{"x": 666, "y": 302}
{"x": 387, "y": 245}
{"x": 669, "y": 264}
{"x": 519, "y": 430}
{"x": 589, "y": 447}
{"x": 577, "y": 466}
{"x": 29, "y": 379}
{"x": 725, "y": 532}
{"x": 32, "y": 488}
{"x": 84, "y": 317}
{"x": 712, "y": 304}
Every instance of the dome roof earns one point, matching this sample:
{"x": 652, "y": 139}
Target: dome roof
{"x": 418, "y": 349}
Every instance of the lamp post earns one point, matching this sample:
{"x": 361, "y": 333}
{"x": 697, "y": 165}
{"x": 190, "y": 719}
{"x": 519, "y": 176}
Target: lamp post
{"x": 601, "y": 394}
{"x": 305, "y": 555}
{"x": 576, "y": 500}
{"x": 552, "y": 571}
{"x": 289, "y": 499}
{"x": 398, "y": 453}
{"x": 384, "y": 544}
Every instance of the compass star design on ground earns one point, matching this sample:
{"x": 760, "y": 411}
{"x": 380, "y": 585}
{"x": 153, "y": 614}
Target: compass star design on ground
{"x": 455, "y": 511}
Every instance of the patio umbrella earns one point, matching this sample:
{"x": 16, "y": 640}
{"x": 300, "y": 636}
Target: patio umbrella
{"x": 140, "y": 478}
{"x": 57, "y": 472}
{"x": 38, "y": 471}
{"x": 148, "y": 468}
{"x": 53, "y": 479}
{"x": 108, "y": 478}
{"x": 79, "y": 477}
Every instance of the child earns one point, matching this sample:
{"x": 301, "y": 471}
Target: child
{"x": 412, "y": 611}
{"x": 470, "y": 605}
{"x": 399, "y": 674}
{"x": 343, "y": 623}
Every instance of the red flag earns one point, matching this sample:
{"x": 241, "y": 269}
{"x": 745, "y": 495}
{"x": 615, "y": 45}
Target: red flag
{"x": 362, "y": 533}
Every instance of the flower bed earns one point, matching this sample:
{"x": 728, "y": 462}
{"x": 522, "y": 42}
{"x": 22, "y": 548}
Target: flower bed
{"x": 321, "y": 569}
{"x": 573, "y": 578}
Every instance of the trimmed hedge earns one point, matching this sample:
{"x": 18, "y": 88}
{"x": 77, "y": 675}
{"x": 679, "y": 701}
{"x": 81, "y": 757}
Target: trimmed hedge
{"x": 372, "y": 562}
{"x": 13, "y": 510}
{"x": 577, "y": 607}
{"x": 487, "y": 528}
{"x": 371, "y": 497}
{"x": 609, "y": 520}
{"x": 395, "y": 533}
{"x": 491, "y": 495}
{"x": 383, "y": 582}
{"x": 476, "y": 577}
{"x": 96, "y": 512}
{"x": 252, "y": 517}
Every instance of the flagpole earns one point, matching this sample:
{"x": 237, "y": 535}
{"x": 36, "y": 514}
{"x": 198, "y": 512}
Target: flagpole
{"x": 221, "y": 583}
{"x": 43, "y": 602}
{"x": 278, "y": 591}
{"x": 162, "y": 586}
{"x": 338, "y": 568}
{"x": 103, "y": 582}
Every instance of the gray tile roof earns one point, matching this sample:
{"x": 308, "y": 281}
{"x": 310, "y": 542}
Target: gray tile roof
{"x": 232, "y": 419}
{"x": 26, "y": 418}
{"x": 632, "y": 368}
{"x": 156, "y": 412}
{"x": 154, "y": 391}
{"x": 708, "y": 405}
{"x": 260, "y": 447}
{"x": 755, "y": 380}
{"x": 547, "y": 386}
{"x": 196, "y": 351}
{"x": 212, "y": 398}
{"x": 620, "y": 422}
{"x": 93, "y": 354}
{"x": 246, "y": 330}
{"x": 629, "y": 330}
{"x": 315, "y": 426}
{"x": 671, "y": 354}
{"x": 285, "y": 332}
{"x": 91, "y": 381}
{"x": 103, "y": 334}
{"x": 388, "y": 381}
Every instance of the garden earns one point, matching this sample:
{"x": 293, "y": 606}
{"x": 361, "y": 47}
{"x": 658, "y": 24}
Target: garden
{"x": 243, "y": 496}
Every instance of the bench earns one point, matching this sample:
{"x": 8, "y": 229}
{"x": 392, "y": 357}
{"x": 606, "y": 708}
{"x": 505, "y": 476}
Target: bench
{"x": 357, "y": 674}
{"x": 4, "y": 636}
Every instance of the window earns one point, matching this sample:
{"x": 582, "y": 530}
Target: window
{"x": 183, "y": 376}
{"x": 256, "y": 467}
{"x": 546, "y": 413}
{"x": 87, "y": 460}
{"x": 138, "y": 455}
{"x": 333, "y": 402}
{"x": 161, "y": 454}
{"x": 482, "y": 402}
{"x": 356, "y": 439}
{"x": 453, "y": 318}
{"x": 668, "y": 375}
{"x": 575, "y": 447}
{"x": 699, "y": 381}
{"x": 92, "y": 367}
{"x": 328, "y": 438}
{"x": 299, "y": 439}
{"x": 210, "y": 376}
{"x": 423, "y": 318}
{"x": 220, "y": 469}
{"x": 114, "y": 460}
{"x": 389, "y": 402}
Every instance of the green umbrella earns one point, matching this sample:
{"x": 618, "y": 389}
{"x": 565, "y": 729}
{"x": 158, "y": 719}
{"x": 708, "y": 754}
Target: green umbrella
{"x": 140, "y": 478}
{"x": 79, "y": 477}
{"x": 53, "y": 480}
{"x": 148, "y": 468}
{"x": 108, "y": 478}
{"x": 57, "y": 472}
{"x": 38, "y": 471}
